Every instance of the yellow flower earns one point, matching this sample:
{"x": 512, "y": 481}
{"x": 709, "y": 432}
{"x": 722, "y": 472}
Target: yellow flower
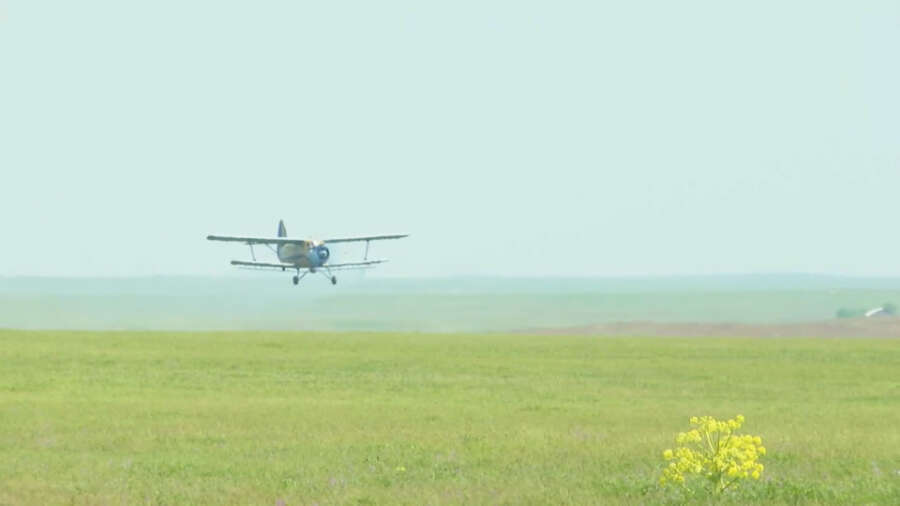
{"x": 711, "y": 450}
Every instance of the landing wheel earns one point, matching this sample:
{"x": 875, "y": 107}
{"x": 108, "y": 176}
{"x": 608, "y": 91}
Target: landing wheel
{"x": 296, "y": 279}
{"x": 333, "y": 280}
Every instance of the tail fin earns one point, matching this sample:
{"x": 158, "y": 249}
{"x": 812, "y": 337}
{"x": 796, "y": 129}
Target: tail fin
{"x": 282, "y": 232}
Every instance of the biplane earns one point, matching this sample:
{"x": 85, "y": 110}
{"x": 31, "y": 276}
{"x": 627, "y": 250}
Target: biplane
{"x": 304, "y": 256}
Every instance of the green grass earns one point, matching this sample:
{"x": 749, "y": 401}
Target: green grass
{"x": 304, "y": 418}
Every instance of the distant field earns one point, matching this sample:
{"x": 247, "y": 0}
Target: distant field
{"x": 268, "y": 301}
{"x": 352, "y": 418}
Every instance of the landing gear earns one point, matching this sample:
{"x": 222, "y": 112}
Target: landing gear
{"x": 296, "y": 279}
{"x": 329, "y": 276}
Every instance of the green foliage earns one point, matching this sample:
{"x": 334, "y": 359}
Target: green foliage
{"x": 850, "y": 313}
{"x": 303, "y": 418}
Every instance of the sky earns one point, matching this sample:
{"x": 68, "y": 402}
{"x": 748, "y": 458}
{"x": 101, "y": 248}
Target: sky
{"x": 509, "y": 138}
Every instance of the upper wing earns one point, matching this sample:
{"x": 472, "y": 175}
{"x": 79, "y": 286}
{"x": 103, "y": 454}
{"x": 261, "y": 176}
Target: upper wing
{"x": 281, "y": 266}
{"x": 366, "y": 238}
{"x": 257, "y": 240}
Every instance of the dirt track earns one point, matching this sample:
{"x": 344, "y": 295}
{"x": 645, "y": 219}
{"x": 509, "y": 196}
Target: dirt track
{"x": 873, "y": 327}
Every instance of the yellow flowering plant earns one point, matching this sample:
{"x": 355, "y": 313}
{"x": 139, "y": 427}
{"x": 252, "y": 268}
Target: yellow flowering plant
{"x": 712, "y": 449}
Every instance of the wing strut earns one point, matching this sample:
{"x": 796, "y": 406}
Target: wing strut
{"x": 366, "y": 257}
{"x": 252, "y": 254}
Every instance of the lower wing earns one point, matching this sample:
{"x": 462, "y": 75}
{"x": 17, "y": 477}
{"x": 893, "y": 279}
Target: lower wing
{"x": 265, "y": 265}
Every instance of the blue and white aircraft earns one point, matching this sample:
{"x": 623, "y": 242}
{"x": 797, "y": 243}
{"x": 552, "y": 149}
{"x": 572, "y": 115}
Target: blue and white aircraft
{"x": 307, "y": 255}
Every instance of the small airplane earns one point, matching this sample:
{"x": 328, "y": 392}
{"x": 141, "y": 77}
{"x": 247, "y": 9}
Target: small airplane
{"x": 308, "y": 255}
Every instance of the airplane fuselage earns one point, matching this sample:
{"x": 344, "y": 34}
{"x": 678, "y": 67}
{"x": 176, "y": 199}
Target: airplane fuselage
{"x": 308, "y": 255}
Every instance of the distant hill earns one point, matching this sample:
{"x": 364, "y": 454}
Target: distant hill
{"x": 268, "y": 301}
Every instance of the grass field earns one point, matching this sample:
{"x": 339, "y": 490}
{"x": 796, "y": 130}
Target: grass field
{"x": 305, "y": 418}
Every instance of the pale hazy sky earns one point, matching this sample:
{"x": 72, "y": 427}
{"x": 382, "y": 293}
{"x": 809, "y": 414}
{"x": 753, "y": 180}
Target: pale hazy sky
{"x": 511, "y": 138}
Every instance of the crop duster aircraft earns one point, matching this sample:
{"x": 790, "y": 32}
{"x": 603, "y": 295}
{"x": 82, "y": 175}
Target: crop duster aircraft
{"x": 307, "y": 255}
